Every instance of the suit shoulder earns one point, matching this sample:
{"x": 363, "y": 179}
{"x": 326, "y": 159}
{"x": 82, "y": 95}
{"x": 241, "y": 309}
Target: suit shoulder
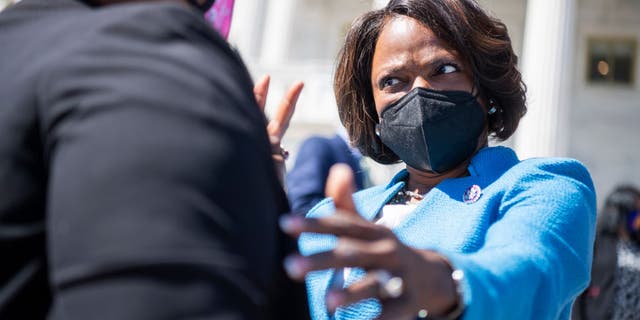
{"x": 157, "y": 55}
{"x": 165, "y": 13}
{"x": 164, "y": 28}
{"x": 562, "y": 181}
{"x": 559, "y": 167}
{"x": 157, "y": 25}
{"x": 155, "y": 41}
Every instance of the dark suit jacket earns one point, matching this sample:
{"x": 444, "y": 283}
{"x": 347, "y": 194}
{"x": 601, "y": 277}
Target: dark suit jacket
{"x": 307, "y": 180}
{"x": 136, "y": 180}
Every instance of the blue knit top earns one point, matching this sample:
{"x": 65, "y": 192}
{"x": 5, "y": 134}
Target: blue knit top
{"x": 525, "y": 245}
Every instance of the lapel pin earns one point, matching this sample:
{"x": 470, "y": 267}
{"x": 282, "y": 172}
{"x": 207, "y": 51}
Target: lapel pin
{"x": 472, "y": 194}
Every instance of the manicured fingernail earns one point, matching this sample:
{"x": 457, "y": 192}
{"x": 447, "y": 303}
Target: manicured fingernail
{"x": 334, "y": 300}
{"x": 295, "y": 266}
{"x": 290, "y": 223}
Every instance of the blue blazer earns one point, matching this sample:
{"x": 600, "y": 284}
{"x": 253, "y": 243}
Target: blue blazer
{"x": 525, "y": 245}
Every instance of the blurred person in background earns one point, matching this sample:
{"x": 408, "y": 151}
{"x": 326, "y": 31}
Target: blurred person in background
{"x": 465, "y": 231}
{"x": 307, "y": 179}
{"x": 136, "y": 174}
{"x": 614, "y": 291}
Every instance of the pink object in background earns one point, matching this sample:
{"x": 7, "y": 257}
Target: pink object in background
{"x": 219, "y": 16}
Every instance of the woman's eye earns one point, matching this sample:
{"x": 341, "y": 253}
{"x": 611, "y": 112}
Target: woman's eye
{"x": 447, "y": 68}
{"x": 389, "y": 82}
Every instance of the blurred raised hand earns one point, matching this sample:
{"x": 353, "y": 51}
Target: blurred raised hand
{"x": 278, "y": 125}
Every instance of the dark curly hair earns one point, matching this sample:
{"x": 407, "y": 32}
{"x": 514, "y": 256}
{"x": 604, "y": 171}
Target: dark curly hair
{"x": 480, "y": 40}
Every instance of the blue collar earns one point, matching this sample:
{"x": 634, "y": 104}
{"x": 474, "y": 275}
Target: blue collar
{"x": 486, "y": 163}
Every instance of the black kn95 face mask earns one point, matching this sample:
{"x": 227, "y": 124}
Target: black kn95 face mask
{"x": 432, "y": 130}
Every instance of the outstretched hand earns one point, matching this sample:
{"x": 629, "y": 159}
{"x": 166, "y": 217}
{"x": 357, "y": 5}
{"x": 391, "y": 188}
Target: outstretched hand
{"x": 426, "y": 281}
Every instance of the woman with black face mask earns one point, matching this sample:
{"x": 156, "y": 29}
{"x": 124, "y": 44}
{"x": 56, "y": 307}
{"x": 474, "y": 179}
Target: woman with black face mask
{"x": 466, "y": 230}
{"x": 614, "y": 291}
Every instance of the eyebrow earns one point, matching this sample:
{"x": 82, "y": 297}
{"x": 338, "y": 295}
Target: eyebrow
{"x": 400, "y": 66}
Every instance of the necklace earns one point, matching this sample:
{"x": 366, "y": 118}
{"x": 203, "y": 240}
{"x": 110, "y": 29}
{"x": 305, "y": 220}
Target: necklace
{"x": 404, "y": 196}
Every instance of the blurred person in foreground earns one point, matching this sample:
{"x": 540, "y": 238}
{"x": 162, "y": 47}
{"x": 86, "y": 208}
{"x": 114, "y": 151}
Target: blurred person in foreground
{"x": 136, "y": 173}
{"x": 614, "y": 291}
{"x": 467, "y": 231}
{"x": 307, "y": 179}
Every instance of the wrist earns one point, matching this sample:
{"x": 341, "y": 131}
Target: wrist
{"x": 449, "y": 304}
{"x": 279, "y": 156}
{"x": 456, "y": 308}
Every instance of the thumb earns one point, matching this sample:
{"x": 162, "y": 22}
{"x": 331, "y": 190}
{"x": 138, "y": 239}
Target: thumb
{"x": 340, "y": 187}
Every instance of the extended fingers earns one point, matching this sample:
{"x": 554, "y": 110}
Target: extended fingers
{"x": 367, "y": 287}
{"x": 260, "y": 91}
{"x": 280, "y": 122}
{"x": 340, "y": 224}
{"x": 380, "y": 254}
{"x": 370, "y": 287}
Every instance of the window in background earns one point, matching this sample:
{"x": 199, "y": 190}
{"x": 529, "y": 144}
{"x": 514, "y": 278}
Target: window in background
{"x": 611, "y": 61}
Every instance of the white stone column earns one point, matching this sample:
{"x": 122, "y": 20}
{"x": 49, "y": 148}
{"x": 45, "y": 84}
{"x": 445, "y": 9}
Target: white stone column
{"x": 247, "y": 26}
{"x": 547, "y": 64}
{"x": 277, "y": 32}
